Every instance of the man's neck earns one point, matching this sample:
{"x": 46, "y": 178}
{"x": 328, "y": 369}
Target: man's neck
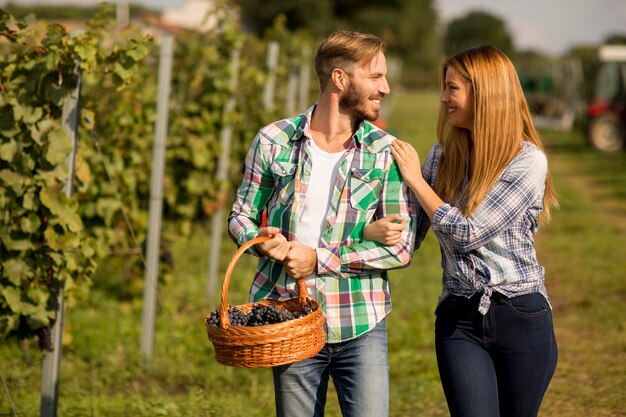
{"x": 331, "y": 130}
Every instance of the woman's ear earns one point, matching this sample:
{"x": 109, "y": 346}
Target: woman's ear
{"x": 339, "y": 79}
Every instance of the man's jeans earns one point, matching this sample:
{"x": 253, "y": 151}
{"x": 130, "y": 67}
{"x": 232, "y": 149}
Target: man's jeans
{"x": 497, "y": 365}
{"x": 360, "y": 373}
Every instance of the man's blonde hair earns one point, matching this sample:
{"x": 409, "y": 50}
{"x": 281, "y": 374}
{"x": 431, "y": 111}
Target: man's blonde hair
{"x": 343, "y": 50}
{"x": 501, "y": 120}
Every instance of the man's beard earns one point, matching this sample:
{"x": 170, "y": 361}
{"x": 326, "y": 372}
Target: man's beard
{"x": 354, "y": 102}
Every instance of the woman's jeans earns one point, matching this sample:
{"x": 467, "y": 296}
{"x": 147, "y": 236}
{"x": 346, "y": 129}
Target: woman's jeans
{"x": 497, "y": 365}
{"x": 360, "y": 373}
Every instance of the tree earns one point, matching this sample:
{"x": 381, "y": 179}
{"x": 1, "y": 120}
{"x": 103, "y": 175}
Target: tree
{"x": 478, "y": 28}
{"x": 408, "y": 26}
{"x": 259, "y": 15}
{"x": 615, "y": 39}
{"x": 67, "y": 12}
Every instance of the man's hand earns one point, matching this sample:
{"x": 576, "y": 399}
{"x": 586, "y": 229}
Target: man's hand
{"x": 301, "y": 260}
{"x": 275, "y": 248}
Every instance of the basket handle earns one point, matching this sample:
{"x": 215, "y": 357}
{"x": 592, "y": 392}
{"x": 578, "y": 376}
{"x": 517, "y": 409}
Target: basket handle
{"x": 224, "y": 320}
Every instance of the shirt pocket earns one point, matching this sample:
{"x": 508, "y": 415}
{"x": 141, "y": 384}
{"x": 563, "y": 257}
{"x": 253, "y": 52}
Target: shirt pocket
{"x": 365, "y": 187}
{"x": 284, "y": 180}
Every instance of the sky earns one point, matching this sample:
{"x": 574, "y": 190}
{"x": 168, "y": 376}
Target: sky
{"x": 549, "y": 26}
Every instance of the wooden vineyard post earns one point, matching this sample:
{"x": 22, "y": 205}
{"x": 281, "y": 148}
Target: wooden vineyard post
{"x": 273, "y": 48}
{"x": 217, "y": 225}
{"x": 52, "y": 359}
{"x": 156, "y": 198}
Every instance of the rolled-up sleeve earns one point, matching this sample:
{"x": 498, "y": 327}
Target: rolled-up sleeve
{"x": 364, "y": 256}
{"x": 252, "y": 194}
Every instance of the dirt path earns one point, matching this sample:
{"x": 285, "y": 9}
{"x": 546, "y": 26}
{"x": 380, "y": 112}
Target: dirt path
{"x": 584, "y": 251}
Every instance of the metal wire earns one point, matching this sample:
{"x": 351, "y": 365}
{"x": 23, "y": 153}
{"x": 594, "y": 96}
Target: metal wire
{"x": 6, "y": 390}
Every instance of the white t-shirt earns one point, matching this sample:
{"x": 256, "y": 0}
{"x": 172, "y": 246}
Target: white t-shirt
{"x": 324, "y": 169}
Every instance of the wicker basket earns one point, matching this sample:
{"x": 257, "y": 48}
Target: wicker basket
{"x": 272, "y": 344}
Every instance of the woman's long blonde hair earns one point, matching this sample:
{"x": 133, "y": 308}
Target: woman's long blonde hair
{"x": 501, "y": 120}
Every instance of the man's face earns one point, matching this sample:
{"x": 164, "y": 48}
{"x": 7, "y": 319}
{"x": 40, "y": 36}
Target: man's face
{"x": 366, "y": 88}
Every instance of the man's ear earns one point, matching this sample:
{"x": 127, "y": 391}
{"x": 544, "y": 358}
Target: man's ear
{"x": 339, "y": 78}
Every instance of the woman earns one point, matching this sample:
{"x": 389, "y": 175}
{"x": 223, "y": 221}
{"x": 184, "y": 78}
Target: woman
{"x": 484, "y": 188}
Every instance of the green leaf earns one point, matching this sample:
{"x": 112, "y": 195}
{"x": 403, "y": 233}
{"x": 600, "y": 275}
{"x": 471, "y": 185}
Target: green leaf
{"x": 56, "y": 258}
{"x": 87, "y": 53}
{"x": 51, "y": 62}
{"x": 12, "y": 178}
{"x": 124, "y": 71}
{"x": 139, "y": 51}
{"x": 12, "y": 132}
{"x": 20, "y": 245}
{"x": 8, "y": 323}
{"x": 106, "y": 208}
{"x": 39, "y": 317}
{"x": 8, "y": 150}
{"x": 54, "y": 176}
{"x": 13, "y": 297}
{"x": 29, "y": 201}
{"x": 30, "y": 223}
{"x": 50, "y": 198}
{"x": 56, "y": 33}
{"x": 59, "y": 146}
{"x": 39, "y": 131}
{"x": 52, "y": 239}
{"x": 196, "y": 183}
{"x": 37, "y": 295}
{"x": 25, "y": 113}
{"x": 17, "y": 270}
{"x": 200, "y": 155}
{"x": 56, "y": 93}
{"x": 71, "y": 263}
{"x": 31, "y": 114}
{"x": 58, "y": 205}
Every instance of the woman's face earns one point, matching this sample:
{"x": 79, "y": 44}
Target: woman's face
{"x": 457, "y": 96}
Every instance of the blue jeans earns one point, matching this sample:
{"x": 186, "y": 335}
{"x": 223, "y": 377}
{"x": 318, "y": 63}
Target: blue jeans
{"x": 497, "y": 365}
{"x": 360, "y": 372}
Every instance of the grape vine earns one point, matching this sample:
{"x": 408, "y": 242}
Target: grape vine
{"x": 49, "y": 241}
{"x": 43, "y": 243}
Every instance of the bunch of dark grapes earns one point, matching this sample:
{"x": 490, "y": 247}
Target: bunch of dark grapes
{"x": 236, "y": 316}
{"x": 44, "y": 337}
{"x": 260, "y": 315}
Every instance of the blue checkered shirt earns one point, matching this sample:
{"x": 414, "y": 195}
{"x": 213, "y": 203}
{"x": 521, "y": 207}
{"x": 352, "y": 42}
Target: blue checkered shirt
{"x": 492, "y": 249}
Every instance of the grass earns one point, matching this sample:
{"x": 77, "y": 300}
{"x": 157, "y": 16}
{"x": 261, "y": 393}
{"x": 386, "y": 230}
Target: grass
{"x": 102, "y": 373}
{"x": 584, "y": 251}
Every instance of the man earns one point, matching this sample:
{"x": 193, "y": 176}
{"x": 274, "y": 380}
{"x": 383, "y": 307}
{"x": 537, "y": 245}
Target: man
{"x": 322, "y": 176}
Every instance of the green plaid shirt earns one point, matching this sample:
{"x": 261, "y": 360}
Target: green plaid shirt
{"x": 351, "y": 282}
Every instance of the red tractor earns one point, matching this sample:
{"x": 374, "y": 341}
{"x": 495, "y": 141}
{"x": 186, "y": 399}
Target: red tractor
{"x": 606, "y": 114}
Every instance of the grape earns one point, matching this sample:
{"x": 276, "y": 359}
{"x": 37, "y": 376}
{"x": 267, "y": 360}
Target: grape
{"x": 44, "y": 337}
{"x": 259, "y": 315}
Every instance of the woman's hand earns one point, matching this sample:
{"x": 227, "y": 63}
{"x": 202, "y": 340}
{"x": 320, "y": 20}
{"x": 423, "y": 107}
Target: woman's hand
{"x": 408, "y": 161}
{"x": 387, "y": 230}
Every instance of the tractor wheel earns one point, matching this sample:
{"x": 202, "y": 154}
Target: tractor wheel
{"x": 607, "y": 133}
